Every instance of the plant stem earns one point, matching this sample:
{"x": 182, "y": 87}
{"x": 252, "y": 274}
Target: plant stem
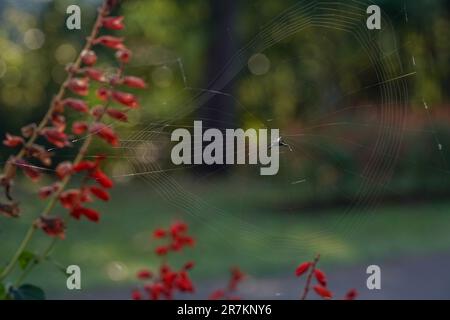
{"x": 29, "y": 235}
{"x": 310, "y": 275}
{"x": 19, "y": 251}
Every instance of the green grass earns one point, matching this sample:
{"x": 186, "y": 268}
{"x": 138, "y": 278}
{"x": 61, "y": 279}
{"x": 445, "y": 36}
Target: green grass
{"x": 238, "y": 225}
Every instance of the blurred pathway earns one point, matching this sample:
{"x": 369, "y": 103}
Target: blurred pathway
{"x": 424, "y": 277}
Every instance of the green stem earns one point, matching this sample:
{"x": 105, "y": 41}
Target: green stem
{"x": 20, "y": 249}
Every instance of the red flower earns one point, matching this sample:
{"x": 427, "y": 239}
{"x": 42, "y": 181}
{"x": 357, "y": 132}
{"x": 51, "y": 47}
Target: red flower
{"x": 28, "y": 130}
{"x": 118, "y": 115}
{"x": 236, "y": 277}
{"x": 103, "y": 94}
{"x": 59, "y": 121}
{"x": 178, "y": 227}
{"x": 30, "y": 171}
{"x": 136, "y": 295}
{"x": 70, "y": 198}
{"x": 91, "y": 214}
{"x": 188, "y": 265}
{"x": 351, "y": 295}
{"x": 320, "y": 276}
{"x": 98, "y": 111}
{"x": 100, "y": 177}
{"x": 123, "y": 55}
{"x": 79, "y": 127}
{"x": 161, "y": 251}
{"x": 56, "y": 137}
{"x": 54, "y": 227}
{"x": 113, "y": 23}
{"x": 110, "y": 42}
{"x": 95, "y": 74}
{"x": 302, "y": 268}
{"x": 323, "y": 292}
{"x": 64, "y": 169}
{"x": 12, "y": 141}
{"x": 154, "y": 290}
{"x": 84, "y": 165}
{"x": 134, "y": 82}
{"x": 79, "y": 86}
{"x": 47, "y": 191}
{"x": 216, "y": 295}
{"x": 76, "y": 104}
{"x": 40, "y": 153}
{"x": 105, "y": 132}
{"x": 99, "y": 193}
{"x": 88, "y": 57}
{"x": 183, "y": 282}
{"x": 125, "y": 98}
{"x": 159, "y": 233}
{"x": 10, "y": 210}
{"x": 144, "y": 274}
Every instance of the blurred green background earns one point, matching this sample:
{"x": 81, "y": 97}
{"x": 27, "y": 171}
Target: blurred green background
{"x": 367, "y": 178}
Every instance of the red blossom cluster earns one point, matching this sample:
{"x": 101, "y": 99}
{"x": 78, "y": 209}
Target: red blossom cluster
{"x": 168, "y": 281}
{"x": 228, "y": 293}
{"x": 38, "y": 142}
{"x": 319, "y": 276}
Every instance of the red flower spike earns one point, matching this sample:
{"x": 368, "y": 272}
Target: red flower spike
{"x": 95, "y": 74}
{"x": 136, "y": 295}
{"x": 76, "y": 104}
{"x": 161, "y": 251}
{"x": 323, "y": 292}
{"x": 79, "y": 86}
{"x": 351, "y": 295}
{"x": 12, "y": 141}
{"x": 88, "y": 57}
{"x": 320, "y": 276}
{"x": 99, "y": 193}
{"x": 125, "y": 98}
{"x": 54, "y": 227}
{"x": 90, "y": 214}
{"x": 110, "y": 42}
{"x": 159, "y": 233}
{"x": 118, "y": 115}
{"x": 106, "y": 133}
{"x": 64, "y": 169}
{"x": 302, "y": 268}
{"x": 123, "y": 55}
{"x": 102, "y": 178}
{"x": 144, "y": 274}
{"x": 79, "y": 127}
{"x": 70, "y": 198}
{"x": 113, "y": 23}
{"x": 134, "y": 82}
{"x": 103, "y": 94}
{"x": 30, "y": 171}
{"x": 55, "y": 137}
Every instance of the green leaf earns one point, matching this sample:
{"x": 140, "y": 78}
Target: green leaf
{"x": 27, "y": 292}
{"x": 25, "y": 258}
